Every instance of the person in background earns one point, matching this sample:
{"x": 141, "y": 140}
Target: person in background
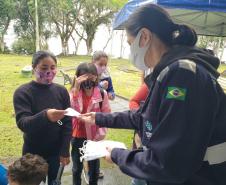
{"x": 100, "y": 59}
{"x": 182, "y": 121}
{"x": 86, "y": 97}
{"x": 40, "y": 106}
{"x": 28, "y": 170}
{"x": 139, "y": 97}
{"x": 141, "y": 94}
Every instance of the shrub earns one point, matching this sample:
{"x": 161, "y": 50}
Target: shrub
{"x": 24, "y": 46}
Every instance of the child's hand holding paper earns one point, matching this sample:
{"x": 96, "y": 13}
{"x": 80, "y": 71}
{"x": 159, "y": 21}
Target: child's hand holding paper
{"x": 71, "y": 112}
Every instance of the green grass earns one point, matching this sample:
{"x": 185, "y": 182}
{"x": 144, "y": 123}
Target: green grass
{"x": 222, "y": 68}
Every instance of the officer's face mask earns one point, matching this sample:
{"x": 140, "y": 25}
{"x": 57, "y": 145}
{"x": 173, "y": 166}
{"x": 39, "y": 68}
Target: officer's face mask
{"x": 45, "y": 77}
{"x": 88, "y": 84}
{"x": 137, "y": 54}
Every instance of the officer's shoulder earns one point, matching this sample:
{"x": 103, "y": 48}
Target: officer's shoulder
{"x": 179, "y": 65}
{"x": 184, "y": 64}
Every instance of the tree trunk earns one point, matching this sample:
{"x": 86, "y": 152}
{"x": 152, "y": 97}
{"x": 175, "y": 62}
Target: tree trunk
{"x": 64, "y": 44}
{"x": 3, "y": 32}
{"x": 37, "y": 38}
{"x": 74, "y": 41}
{"x": 76, "y": 44}
{"x": 89, "y": 42}
{"x": 222, "y": 53}
{"x": 2, "y": 45}
{"x": 121, "y": 47}
{"x": 109, "y": 38}
{"x": 44, "y": 44}
{"x": 222, "y": 50}
{"x": 216, "y": 46}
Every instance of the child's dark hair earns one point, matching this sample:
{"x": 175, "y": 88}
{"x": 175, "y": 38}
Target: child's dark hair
{"x": 85, "y": 68}
{"x": 28, "y": 170}
{"x": 158, "y": 21}
{"x": 99, "y": 54}
{"x": 39, "y": 55}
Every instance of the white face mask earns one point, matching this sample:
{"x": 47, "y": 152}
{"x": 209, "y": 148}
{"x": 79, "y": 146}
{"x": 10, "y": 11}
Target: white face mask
{"x": 137, "y": 53}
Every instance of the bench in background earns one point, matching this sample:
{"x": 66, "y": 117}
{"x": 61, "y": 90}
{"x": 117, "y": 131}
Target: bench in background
{"x": 67, "y": 78}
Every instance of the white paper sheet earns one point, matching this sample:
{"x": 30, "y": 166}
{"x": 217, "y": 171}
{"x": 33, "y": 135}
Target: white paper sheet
{"x": 71, "y": 112}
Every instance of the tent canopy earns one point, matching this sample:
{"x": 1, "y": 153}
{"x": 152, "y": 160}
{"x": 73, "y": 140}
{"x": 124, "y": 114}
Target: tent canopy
{"x": 207, "y": 17}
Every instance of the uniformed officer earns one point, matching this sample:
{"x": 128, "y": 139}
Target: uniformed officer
{"x": 181, "y": 125}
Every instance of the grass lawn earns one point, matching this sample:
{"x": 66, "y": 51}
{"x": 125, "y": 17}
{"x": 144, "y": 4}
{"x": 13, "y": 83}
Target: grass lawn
{"x": 125, "y": 84}
{"x": 126, "y": 80}
{"x": 222, "y": 68}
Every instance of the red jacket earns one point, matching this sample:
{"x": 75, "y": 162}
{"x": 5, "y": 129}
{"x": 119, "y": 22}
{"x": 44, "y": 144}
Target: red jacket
{"x": 139, "y": 96}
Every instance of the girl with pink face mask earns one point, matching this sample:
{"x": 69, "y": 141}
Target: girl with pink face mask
{"x": 100, "y": 59}
{"x": 39, "y": 106}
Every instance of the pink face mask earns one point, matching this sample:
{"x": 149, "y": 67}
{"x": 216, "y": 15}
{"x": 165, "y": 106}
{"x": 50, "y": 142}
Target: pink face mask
{"x": 100, "y": 69}
{"x": 45, "y": 77}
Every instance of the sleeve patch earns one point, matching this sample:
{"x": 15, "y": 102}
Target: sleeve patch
{"x": 176, "y": 93}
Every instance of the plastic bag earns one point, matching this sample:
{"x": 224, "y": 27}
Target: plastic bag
{"x": 96, "y": 149}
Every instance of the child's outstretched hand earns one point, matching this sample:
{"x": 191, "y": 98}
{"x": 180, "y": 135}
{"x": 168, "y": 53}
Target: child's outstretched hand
{"x": 88, "y": 118}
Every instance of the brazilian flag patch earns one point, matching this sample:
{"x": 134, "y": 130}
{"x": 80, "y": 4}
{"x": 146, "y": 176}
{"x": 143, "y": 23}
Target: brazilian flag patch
{"x": 176, "y": 93}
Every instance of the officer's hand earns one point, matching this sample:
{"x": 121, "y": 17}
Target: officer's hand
{"x": 64, "y": 160}
{"x": 108, "y": 156}
{"x": 54, "y": 115}
{"x": 88, "y": 118}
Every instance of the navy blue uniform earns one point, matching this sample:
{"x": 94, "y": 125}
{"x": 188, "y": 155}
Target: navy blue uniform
{"x": 178, "y": 123}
